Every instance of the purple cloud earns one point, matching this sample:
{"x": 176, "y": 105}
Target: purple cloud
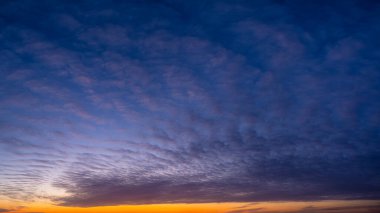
{"x": 178, "y": 102}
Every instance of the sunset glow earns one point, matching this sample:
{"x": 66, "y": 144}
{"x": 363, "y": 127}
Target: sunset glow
{"x": 284, "y": 207}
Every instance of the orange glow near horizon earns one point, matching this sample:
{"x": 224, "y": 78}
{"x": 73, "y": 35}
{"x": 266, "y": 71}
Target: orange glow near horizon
{"x": 263, "y": 207}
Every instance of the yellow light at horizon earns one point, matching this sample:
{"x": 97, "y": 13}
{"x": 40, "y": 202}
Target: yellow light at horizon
{"x": 263, "y": 207}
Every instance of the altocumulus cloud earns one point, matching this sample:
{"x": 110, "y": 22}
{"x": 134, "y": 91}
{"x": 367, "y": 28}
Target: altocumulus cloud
{"x": 189, "y": 101}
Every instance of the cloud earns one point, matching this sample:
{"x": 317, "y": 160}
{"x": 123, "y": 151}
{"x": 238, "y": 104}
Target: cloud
{"x": 348, "y": 209}
{"x": 246, "y": 210}
{"x": 181, "y": 102}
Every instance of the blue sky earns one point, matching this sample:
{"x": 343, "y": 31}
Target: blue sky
{"x": 134, "y": 102}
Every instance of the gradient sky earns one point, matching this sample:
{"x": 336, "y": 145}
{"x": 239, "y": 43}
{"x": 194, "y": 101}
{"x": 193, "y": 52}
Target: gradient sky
{"x": 211, "y": 106}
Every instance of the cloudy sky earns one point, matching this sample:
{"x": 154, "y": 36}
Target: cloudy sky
{"x": 260, "y": 104}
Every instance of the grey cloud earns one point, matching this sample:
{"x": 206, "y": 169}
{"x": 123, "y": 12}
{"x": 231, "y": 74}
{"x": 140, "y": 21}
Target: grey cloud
{"x": 247, "y": 210}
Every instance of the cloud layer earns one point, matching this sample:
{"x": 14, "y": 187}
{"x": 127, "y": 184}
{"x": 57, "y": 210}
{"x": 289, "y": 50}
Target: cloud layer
{"x": 206, "y": 101}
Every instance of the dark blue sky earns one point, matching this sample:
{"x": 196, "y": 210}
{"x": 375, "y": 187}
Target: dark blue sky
{"x": 131, "y": 102}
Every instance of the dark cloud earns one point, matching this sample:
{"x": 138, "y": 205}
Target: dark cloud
{"x": 4, "y": 210}
{"x": 179, "y": 102}
{"x": 246, "y": 210}
{"x": 311, "y": 209}
{"x": 348, "y": 209}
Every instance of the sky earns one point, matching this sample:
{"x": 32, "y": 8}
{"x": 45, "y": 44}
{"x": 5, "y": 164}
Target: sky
{"x": 190, "y": 106}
